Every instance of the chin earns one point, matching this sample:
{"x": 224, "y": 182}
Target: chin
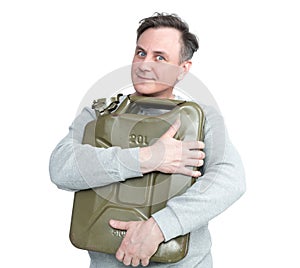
{"x": 146, "y": 89}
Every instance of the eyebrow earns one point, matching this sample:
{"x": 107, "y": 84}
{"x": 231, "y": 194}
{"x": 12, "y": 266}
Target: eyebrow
{"x": 155, "y": 52}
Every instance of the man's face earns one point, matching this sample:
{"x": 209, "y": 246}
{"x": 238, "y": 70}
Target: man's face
{"x": 156, "y": 64}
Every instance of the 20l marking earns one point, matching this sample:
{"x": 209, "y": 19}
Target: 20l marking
{"x": 118, "y": 233}
{"x": 138, "y": 140}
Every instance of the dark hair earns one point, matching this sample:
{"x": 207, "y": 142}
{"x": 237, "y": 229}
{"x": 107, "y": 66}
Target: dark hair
{"x": 159, "y": 20}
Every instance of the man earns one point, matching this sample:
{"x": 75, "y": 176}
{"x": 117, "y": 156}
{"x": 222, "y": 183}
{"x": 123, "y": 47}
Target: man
{"x": 162, "y": 57}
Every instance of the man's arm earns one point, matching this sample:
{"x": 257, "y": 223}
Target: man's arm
{"x": 222, "y": 183}
{"x": 74, "y": 166}
{"x": 220, "y": 186}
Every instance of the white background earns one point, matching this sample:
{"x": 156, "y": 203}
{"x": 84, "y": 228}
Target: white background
{"x": 52, "y": 52}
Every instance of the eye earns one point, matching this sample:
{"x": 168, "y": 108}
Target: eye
{"x": 160, "y": 58}
{"x": 141, "y": 53}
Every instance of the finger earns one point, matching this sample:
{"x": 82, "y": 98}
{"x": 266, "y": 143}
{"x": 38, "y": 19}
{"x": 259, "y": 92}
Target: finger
{"x": 135, "y": 261}
{"x": 194, "y": 144}
{"x": 194, "y": 162}
{"x": 127, "y": 260}
{"x": 145, "y": 262}
{"x": 194, "y": 154}
{"x": 172, "y": 130}
{"x": 122, "y": 225}
{"x": 190, "y": 172}
{"x": 120, "y": 255}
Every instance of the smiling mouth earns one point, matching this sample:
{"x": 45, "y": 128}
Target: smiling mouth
{"x": 142, "y": 77}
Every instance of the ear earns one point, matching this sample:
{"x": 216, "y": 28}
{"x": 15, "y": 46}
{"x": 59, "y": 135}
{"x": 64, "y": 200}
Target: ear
{"x": 184, "y": 69}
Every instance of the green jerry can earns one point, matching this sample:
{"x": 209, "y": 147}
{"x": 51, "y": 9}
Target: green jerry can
{"x": 137, "y": 122}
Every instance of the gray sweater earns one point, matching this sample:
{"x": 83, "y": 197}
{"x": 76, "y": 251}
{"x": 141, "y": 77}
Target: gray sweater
{"x": 74, "y": 167}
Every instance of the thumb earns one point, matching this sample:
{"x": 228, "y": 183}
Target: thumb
{"x": 172, "y": 130}
{"x": 121, "y": 225}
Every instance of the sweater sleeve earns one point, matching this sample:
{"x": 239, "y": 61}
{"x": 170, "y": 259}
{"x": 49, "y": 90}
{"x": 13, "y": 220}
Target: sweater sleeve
{"x": 222, "y": 183}
{"x": 74, "y": 166}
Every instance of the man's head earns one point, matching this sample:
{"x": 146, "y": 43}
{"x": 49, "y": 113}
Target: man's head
{"x": 163, "y": 54}
{"x": 189, "y": 42}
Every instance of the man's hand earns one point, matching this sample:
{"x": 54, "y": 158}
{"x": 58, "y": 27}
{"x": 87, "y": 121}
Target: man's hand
{"x": 140, "y": 242}
{"x": 169, "y": 155}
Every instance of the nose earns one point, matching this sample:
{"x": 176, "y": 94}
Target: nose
{"x": 145, "y": 65}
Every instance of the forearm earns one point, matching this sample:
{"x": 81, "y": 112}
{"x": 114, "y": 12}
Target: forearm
{"x": 74, "y": 166}
{"x": 221, "y": 185}
{"x": 212, "y": 194}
